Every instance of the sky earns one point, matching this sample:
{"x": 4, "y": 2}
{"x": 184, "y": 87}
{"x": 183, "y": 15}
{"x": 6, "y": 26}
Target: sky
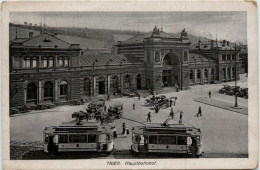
{"x": 223, "y": 25}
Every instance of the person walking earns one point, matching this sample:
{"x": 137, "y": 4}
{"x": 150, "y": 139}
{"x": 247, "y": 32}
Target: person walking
{"x": 123, "y": 127}
{"x": 172, "y": 113}
{"x": 139, "y": 96}
{"x": 105, "y": 108}
{"x": 148, "y": 117}
{"x": 181, "y": 115}
{"x": 108, "y": 97}
{"x": 134, "y": 106}
{"x": 209, "y": 94}
{"x": 170, "y": 102}
{"x": 199, "y": 112}
{"x": 114, "y": 132}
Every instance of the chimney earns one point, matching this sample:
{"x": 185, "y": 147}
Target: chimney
{"x": 55, "y": 34}
{"x": 30, "y": 34}
{"x": 227, "y": 43}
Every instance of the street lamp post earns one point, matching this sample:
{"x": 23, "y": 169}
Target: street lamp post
{"x": 236, "y": 105}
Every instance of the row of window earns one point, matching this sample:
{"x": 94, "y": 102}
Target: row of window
{"x": 78, "y": 138}
{"x": 227, "y": 57}
{"x": 168, "y": 140}
{"x": 32, "y": 62}
{"x": 230, "y": 72}
{"x": 199, "y": 73}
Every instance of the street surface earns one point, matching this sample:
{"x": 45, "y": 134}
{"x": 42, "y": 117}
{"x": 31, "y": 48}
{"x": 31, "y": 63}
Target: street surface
{"x": 225, "y": 133}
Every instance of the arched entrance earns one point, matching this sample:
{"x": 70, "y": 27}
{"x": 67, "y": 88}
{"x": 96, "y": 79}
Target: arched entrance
{"x": 48, "y": 91}
{"x": 139, "y": 82}
{"x": 171, "y": 70}
{"x": 115, "y": 84}
{"x": 86, "y": 87}
{"x": 101, "y": 85}
{"x": 31, "y": 93}
{"x": 63, "y": 90}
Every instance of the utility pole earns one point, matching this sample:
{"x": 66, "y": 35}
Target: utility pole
{"x": 236, "y": 105}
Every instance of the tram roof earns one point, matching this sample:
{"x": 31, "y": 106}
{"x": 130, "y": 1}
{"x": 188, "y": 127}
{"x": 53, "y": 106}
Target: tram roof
{"x": 157, "y": 128}
{"x": 83, "y": 127}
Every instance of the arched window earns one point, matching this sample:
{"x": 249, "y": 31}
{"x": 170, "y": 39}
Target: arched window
{"x": 224, "y": 73}
{"x": 191, "y": 74}
{"x": 206, "y": 73}
{"x": 27, "y": 62}
{"x": 47, "y": 61}
{"x": 63, "y": 90}
{"x": 198, "y": 74}
{"x": 212, "y": 72}
{"x": 127, "y": 81}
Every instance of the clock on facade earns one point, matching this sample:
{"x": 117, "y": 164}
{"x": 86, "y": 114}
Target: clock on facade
{"x": 157, "y": 57}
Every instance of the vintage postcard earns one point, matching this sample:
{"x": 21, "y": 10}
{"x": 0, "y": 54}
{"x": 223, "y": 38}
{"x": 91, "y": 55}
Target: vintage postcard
{"x": 129, "y": 85}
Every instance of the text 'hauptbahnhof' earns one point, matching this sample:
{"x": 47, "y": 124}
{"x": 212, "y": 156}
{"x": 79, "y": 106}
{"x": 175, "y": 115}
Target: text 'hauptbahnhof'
{"x": 47, "y": 68}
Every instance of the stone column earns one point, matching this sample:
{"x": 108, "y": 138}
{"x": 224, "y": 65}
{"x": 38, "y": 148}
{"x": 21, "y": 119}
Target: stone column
{"x": 202, "y": 75}
{"x": 40, "y": 61}
{"x": 226, "y": 73}
{"x": 94, "y": 85}
{"x": 56, "y": 91}
{"x": 25, "y": 95}
{"x": 40, "y": 91}
{"x": 195, "y": 75}
{"x": 108, "y": 84}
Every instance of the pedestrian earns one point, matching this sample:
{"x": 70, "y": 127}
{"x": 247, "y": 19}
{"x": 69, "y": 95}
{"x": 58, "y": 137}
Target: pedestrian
{"x": 134, "y": 106}
{"x": 199, "y": 112}
{"x": 105, "y": 108}
{"x": 170, "y": 102}
{"x": 149, "y": 117}
{"x": 181, "y": 115}
{"x": 139, "y": 96}
{"x": 156, "y": 108}
{"x": 177, "y": 88}
{"x": 108, "y": 97}
{"x": 87, "y": 116}
{"x": 172, "y": 113}
{"x": 123, "y": 127}
{"x": 209, "y": 94}
{"x": 114, "y": 132}
{"x": 126, "y": 131}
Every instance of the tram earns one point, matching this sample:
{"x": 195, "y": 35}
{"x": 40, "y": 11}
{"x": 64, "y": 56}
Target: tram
{"x": 74, "y": 136}
{"x": 167, "y": 138}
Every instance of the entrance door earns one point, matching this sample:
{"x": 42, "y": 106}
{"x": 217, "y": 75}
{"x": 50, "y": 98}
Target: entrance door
{"x": 48, "y": 91}
{"x": 139, "y": 82}
{"x": 101, "y": 87}
{"x": 31, "y": 93}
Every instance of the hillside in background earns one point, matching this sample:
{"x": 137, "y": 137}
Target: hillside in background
{"x": 87, "y": 38}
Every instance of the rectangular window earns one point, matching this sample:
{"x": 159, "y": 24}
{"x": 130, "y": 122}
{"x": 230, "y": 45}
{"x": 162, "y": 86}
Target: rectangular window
{"x": 228, "y": 57}
{"x": 77, "y": 138}
{"x": 152, "y": 139}
{"x": 63, "y": 89}
{"x": 60, "y": 61}
{"x": 66, "y": 62}
{"x": 27, "y": 63}
{"x": 167, "y": 140}
{"x": 45, "y": 62}
{"x": 51, "y": 62}
{"x": 63, "y": 138}
{"x": 34, "y": 62}
{"x": 223, "y": 57}
{"x": 92, "y": 138}
{"x": 182, "y": 140}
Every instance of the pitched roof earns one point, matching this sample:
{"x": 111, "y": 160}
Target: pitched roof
{"x": 43, "y": 40}
{"x": 104, "y": 59}
{"x": 140, "y": 37}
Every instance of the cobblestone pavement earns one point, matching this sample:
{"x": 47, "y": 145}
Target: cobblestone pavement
{"x": 224, "y": 132}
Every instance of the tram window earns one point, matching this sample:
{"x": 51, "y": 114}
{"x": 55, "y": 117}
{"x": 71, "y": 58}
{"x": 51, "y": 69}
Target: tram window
{"x": 167, "y": 139}
{"x": 63, "y": 138}
{"x": 77, "y": 138}
{"x": 152, "y": 139}
{"x": 92, "y": 138}
{"x": 181, "y": 140}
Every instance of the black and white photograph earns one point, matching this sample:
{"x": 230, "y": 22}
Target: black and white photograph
{"x": 131, "y": 85}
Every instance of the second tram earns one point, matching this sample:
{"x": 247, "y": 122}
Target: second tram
{"x": 167, "y": 138}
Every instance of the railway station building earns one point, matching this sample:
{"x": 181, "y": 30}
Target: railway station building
{"x": 45, "y": 68}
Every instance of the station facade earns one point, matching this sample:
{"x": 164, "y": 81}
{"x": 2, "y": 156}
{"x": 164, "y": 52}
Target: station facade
{"x": 46, "y": 68}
